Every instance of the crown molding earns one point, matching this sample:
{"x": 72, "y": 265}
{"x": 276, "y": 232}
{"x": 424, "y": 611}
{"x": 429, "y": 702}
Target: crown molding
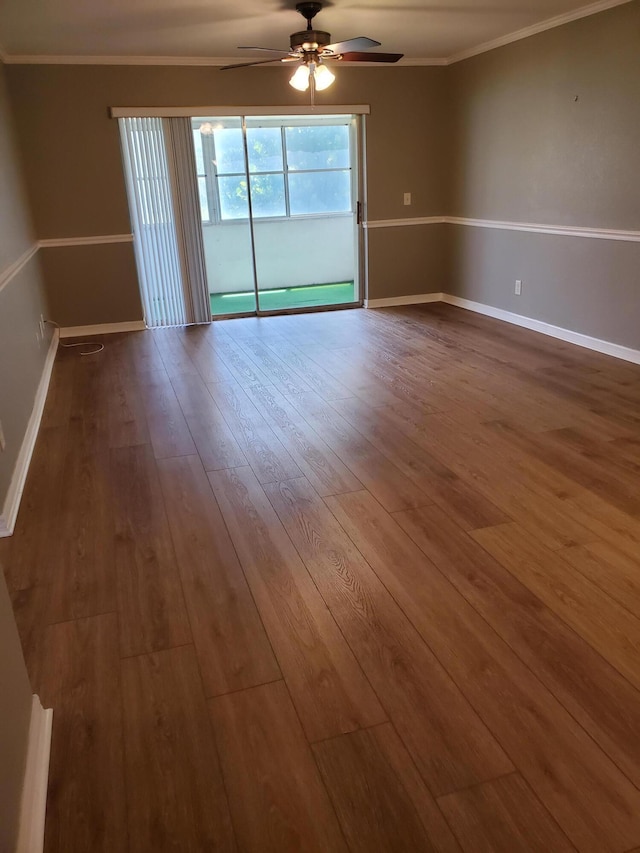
{"x": 198, "y": 61}
{"x": 206, "y": 61}
{"x": 549, "y": 24}
{"x": 407, "y": 60}
{"x": 46, "y": 59}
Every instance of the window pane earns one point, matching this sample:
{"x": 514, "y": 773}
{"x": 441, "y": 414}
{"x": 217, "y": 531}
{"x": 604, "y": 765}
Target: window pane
{"x": 233, "y": 198}
{"x": 265, "y": 149}
{"x": 320, "y": 192}
{"x": 229, "y": 150}
{"x": 318, "y": 147}
{"x": 204, "y": 201}
{"x": 267, "y": 195}
{"x": 197, "y": 144}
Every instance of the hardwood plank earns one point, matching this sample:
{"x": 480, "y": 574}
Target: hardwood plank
{"x": 612, "y": 482}
{"x": 606, "y": 522}
{"x": 151, "y": 607}
{"x": 241, "y": 367}
{"x": 615, "y": 572}
{"x": 175, "y": 358}
{"x": 264, "y": 452}
{"x": 380, "y": 800}
{"x": 168, "y": 429}
{"x": 277, "y": 799}
{"x": 126, "y": 418}
{"x": 597, "y": 451}
{"x": 57, "y": 410}
{"x": 231, "y": 644}
{"x": 139, "y": 355}
{"x": 28, "y": 554}
{"x": 197, "y": 342}
{"x": 357, "y": 379}
{"x": 528, "y": 493}
{"x": 608, "y": 627}
{"x": 88, "y": 424}
{"x": 503, "y": 816}
{"x": 376, "y": 472}
{"x": 546, "y": 745}
{"x": 175, "y": 794}
{"x": 214, "y": 440}
{"x": 82, "y": 583}
{"x": 467, "y": 506}
{"x": 327, "y": 685}
{"x": 275, "y": 369}
{"x": 449, "y": 743}
{"x": 314, "y": 375}
{"x": 86, "y": 808}
{"x": 321, "y": 466}
{"x": 594, "y": 692}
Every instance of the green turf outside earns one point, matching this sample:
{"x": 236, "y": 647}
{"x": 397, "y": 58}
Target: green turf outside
{"x": 308, "y": 296}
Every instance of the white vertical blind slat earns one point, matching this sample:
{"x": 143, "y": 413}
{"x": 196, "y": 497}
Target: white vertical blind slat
{"x": 154, "y": 226}
{"x": 168, "y": 312}
{"x": 187, "y": 202}
{"x": 162, "y": 195}
{"x": 154, "y": 269}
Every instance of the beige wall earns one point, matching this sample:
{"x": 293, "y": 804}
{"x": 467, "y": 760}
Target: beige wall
{"x": 74, "y": 170}
{"x": 21, "y": 302}
{"x": 89, "y": 285}
{"x": 547, "y": 130}
{"x": 500, "y": 136}
{"x": 21, "y": 361}
{"x": 408, "y": 260}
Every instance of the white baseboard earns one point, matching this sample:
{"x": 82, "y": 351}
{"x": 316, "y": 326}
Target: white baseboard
{"x": 36, "y": 776}
{"x": 102, "y": 329}
{"x": 606, "y": 347}
{"x": 14, "y": 495}
{"x": 418, "y": 299}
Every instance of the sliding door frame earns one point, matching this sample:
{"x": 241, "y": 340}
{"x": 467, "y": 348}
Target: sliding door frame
{"x": 358, "y": 172}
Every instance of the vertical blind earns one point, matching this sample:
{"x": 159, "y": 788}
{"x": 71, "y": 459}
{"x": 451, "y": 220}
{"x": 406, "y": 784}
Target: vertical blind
{"x": 186, "y": 201}
{"x": 167, "y": 234}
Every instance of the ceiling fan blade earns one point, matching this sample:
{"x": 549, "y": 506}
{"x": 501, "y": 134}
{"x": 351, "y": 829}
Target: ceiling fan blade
{"x": 359, "y": 43}
{"x": 371, "y": 57}
{"x": 259, "y": 62}
{"x": 270, "y": 49}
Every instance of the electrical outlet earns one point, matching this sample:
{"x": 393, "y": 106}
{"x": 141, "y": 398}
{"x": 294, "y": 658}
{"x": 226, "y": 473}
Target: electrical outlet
{"x": 407, "y": 199}
{"x": 518, "y": 287}
{"x": 3, "y": 443}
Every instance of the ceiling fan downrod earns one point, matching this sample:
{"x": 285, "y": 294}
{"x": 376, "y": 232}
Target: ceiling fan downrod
{"x": 309, "y": 40}
{"x": 309, "y": 11}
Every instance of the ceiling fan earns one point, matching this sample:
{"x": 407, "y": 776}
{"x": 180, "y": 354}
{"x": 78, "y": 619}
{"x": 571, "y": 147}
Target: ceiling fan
{"x": 312, "y": 48}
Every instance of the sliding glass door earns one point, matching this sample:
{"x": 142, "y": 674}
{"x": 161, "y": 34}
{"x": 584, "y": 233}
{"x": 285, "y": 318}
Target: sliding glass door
{"x": 279, "y": 198}
{"x": 220, "y": 162}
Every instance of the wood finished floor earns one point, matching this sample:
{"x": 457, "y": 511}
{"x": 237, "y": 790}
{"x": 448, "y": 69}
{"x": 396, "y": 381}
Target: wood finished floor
{"x": 363, "y": 580}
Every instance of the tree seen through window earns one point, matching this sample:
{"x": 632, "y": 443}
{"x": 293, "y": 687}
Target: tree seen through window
{"x": 294, "y": 171}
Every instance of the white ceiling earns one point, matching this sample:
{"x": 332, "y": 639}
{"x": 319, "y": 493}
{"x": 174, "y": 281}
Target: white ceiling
{"x": 421, "y": 29}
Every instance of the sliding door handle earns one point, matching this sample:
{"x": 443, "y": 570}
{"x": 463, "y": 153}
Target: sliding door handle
{"x": 358, "y": 213}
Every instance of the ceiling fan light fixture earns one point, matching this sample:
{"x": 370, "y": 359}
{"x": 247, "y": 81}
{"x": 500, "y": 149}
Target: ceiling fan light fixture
{"x": 323, "y": 77}
{"x": 300, "y": 78}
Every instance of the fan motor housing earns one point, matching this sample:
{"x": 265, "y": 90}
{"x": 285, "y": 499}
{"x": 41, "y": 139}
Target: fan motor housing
{"x": 310, "y": 40}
